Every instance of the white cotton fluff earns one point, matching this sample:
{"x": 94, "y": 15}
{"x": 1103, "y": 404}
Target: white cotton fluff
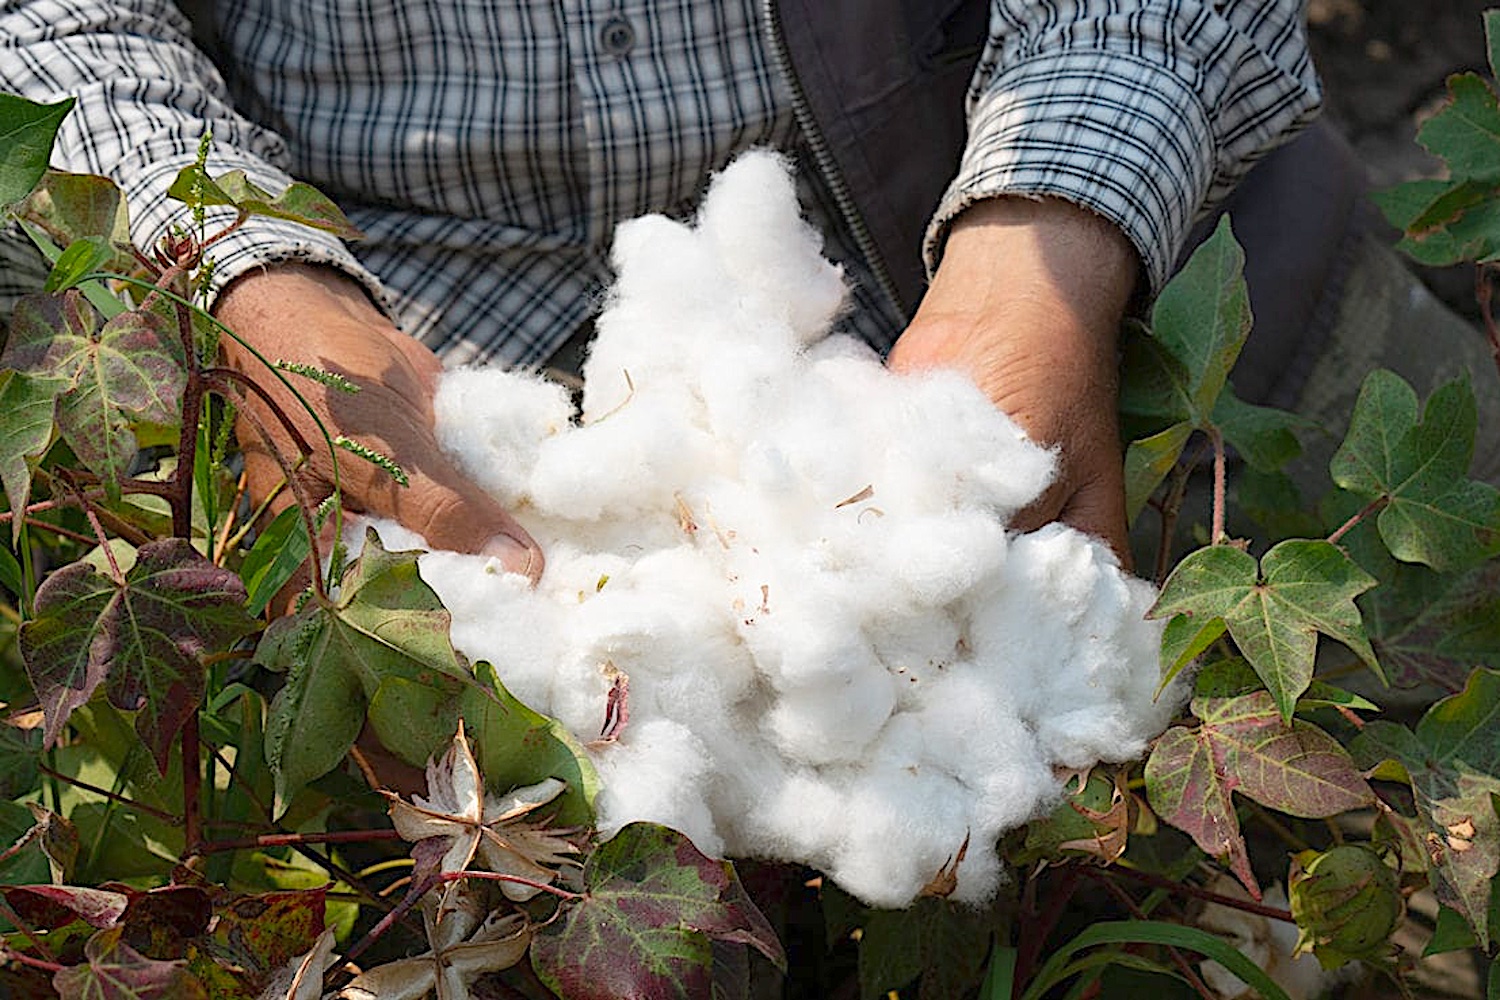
{"x": 836, "y": 653}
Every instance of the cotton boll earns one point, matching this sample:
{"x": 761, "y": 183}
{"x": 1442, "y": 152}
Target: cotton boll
{"x": 836, "y": 654}
{"x": 752, "y": 221}
{"x": 657, "y": 772}
{"x": 494, "y": 422}
{"x": 832, "y": 720}
{"x": 904, "y": 826}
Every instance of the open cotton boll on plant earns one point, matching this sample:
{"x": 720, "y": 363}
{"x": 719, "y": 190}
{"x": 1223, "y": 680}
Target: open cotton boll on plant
{"x": 836, "y": 654}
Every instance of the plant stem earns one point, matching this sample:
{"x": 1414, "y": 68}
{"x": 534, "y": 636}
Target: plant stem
{"x": 518, "y": 880}
{"x": 293, "y": 839}
{"x": 128, "y": 803}
{"x": 1034, "y": 934}
{"x": 1216, "y": 534}
{"x": 1484, "y": 294}
{"x": 36, "y": 963}
{"x": 1196, "y": 892}
{"x": 192, "y": 785}
{"x": 1374, "y": 505}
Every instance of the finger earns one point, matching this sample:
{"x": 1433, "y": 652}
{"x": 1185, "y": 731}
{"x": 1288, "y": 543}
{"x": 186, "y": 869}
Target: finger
{"x": 453, "y": 514}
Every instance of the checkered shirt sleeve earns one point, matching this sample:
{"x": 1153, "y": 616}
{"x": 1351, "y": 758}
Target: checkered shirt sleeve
{"x": 1145, "y": 112}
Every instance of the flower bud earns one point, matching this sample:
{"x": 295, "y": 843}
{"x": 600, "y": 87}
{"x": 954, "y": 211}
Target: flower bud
{"x": 1346, "y": 902}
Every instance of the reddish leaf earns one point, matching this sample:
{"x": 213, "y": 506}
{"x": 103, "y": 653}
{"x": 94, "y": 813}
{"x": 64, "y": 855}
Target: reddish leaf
{"x": 129, "y": 371}
{"x": 264, "y": 932}
{"x": 53, "y": 906}
{"x": 147, "y": 637}
{"x": 1243, "y": 745}
{"x": 652, "y": 909}
{"x": 116, "y": 971}
{"x": 161, "y": 922}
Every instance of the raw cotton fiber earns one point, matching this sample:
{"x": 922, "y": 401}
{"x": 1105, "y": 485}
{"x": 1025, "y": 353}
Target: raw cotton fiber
{"x": 836, "y": 653}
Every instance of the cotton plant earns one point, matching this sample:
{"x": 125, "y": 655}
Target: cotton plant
{"x": 837, "y": 654}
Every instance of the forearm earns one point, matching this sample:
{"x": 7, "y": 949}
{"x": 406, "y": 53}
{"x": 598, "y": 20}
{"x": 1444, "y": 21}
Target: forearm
{"x": 1144, "y": 113}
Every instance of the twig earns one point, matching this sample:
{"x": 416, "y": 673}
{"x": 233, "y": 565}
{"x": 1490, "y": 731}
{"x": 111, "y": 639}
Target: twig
{"x": 160, "y": 814}
{"x": 1374, "y": 505}
{"x": 36, "y": 963}
{"x": 1196, "y": 892}
{"x": 294, "y": 839}
{"x": 192, "y": 784}
{"x": 516, "y": 879}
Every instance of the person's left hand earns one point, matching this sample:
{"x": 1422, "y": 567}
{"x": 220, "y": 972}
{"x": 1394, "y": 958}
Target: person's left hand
{"x": 1028, "y": 301}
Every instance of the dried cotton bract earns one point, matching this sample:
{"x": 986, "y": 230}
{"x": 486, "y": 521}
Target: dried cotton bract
{"x": 836, "y": 654}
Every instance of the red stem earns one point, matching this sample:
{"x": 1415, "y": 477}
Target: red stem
{"x": 1034, "y": 934}
{"x": 1377, "y": 504}
{"x": 218, "y": 379}
{"x": 192, "y": 785}
{"x": 1217, "y": 533}
{"x": 1189, "y": 889}
{"x": 518, "y": 880}
{"x": 160, "y": 814}
{"x": 293, "y": 839}
{"x": 35, "y": 963}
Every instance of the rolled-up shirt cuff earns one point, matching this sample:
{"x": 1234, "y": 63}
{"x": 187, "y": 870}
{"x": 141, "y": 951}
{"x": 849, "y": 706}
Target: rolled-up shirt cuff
{"x": 1109, "y": 131}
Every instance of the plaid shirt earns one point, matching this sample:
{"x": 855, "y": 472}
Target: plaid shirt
{"x": 488, "y": 150}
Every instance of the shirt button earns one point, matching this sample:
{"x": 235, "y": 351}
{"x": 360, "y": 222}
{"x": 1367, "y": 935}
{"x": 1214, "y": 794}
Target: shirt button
{"x": 617, "y": 37}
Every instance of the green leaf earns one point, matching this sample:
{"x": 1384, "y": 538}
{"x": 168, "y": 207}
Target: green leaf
{"x": 298, "y": 203}
{"x": 1452, "y": 933}
{"x": 943, "y": 944}
{"x": 386, "y": 622}
{"x": 1492, "y": 40}
{"x": 1148, "y": 461}
{"x": 1453, "y": 764}
{"x": 1053, "y": 970}
{"x": 518, "y": 746}
{"x": 1202, "y": 318}
{"x": 278, "y": 552}
{"x": 26, "y": 411}
{"x": 1244, "y": 745}
{"x": 1274, "y": 611}
{"x": 1185, "y": 638}
{"x": 71, "y": 207}
{"x": 1264, "y": 437}
{"x": 27, "y": 131}
{"x": 1272, "y": 501}
{"x": 146, "y": 636}
{"x": 1466, "y": 131}
{"x": 1433, "y": 513}
{"x": 411, "y": 719}
{"x": 128, "y": 372}
{"x": 82, "y": 257}
{"x": 652, "y": 906}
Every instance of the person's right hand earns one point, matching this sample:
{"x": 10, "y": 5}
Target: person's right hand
{"x": 317, "y": 316}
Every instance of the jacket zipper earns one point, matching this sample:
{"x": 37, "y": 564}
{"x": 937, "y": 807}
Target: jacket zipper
{"x": 823, "y": 158}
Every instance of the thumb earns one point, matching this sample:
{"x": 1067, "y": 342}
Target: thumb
{"x": 452, "y": 513}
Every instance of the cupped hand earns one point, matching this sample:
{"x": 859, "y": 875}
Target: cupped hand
{"x": 317, "y": 316}
{"x": 1028, "y": 301}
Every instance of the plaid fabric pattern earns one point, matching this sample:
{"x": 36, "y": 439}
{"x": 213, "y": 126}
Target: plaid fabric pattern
{"x": 488, "y": 149}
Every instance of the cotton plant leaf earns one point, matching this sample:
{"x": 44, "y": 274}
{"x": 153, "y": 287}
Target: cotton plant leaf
{"x": 652, "y": 906}
{"x": 1417, "y": 465}
{"x": 27, "y": 131}
{"x": 944, "y": 945}
{"x": 1275, "y": 610}
{"x": 265, "y": 936}
{"x": 1465, "y": 132}
{"x": 1176, "y": 372}
{"x": 145, "y": 636}
{"x": 128, "y": 372}
{"x": 112, "y": 970}
{"x": 49, "y": 907}
{"x": 1243, "y": 745}
{"x": 299, "y": 203}
{"x": 386, "y": 622}
{"x": 1432, "y": 629}
{"x": 519, "y": 746}
{"x": 1263, "y": 436}
{"x": 71, "y": 207}
{"x": 83, "y": 257}
{"x": 1452, "y": 761}
{"x": 26, "y": 421}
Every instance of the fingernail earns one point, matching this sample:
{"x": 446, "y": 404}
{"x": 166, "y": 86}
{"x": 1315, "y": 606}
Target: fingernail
{"x": 514, "y": 556}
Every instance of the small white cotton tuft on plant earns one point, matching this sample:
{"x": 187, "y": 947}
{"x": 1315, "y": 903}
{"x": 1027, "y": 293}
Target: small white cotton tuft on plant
{"x": 836, "y": 654}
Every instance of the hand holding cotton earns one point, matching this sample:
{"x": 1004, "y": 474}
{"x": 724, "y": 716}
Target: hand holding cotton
{"x": 836, "y": 653}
